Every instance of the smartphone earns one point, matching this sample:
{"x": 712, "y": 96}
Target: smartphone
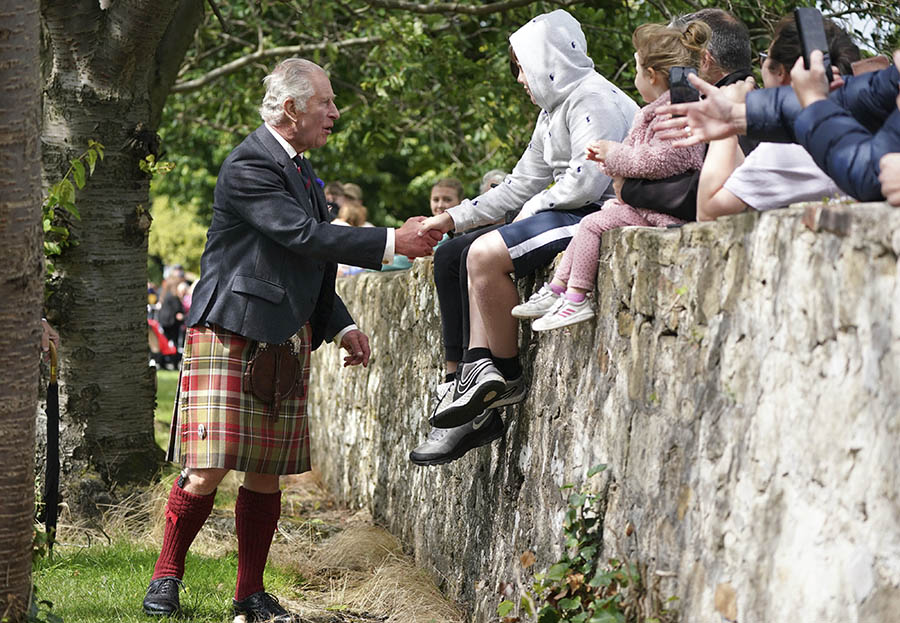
{"x": 811, "y": 29}
{"x": 680, "y": 89}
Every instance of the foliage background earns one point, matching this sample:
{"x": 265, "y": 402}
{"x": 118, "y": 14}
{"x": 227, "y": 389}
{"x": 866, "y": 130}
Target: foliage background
{"x": 423, "y": 88}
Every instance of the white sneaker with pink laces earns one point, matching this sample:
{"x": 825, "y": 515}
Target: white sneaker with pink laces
{"x": 563, "y": 314}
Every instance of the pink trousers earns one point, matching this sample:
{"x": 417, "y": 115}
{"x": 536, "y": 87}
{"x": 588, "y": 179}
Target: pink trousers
{"x": 578, "y": 268}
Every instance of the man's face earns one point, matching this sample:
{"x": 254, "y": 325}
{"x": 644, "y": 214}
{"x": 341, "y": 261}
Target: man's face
{"x": 443, "y": 197}
{"x": 313, "y": 126}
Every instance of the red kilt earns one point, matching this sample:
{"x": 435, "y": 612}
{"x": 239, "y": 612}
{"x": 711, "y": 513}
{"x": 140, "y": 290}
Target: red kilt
{"x": 217, "y": 424}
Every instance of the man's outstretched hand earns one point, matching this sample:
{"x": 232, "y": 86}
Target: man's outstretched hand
{"x": 716, "y": 116}
{"x": 408, "y": 241}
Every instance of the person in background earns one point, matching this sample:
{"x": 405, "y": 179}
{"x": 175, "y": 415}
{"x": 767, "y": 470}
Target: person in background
{"x": 352, "y": 211}
{"x": 491, "y": 179}
{"x": 553, "y": 187}
{"x": 266, "y": 289}
{"x": 726, "y": 60}
{"x": 564, "y": 301}
{"x": 445, "y": 193}
{"x": 171, "y": 315}
{"x": 774, "y": 175}
{"x": 334, "y": 194}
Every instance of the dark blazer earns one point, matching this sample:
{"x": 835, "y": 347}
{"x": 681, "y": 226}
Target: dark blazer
{"x": 270, "y": 259}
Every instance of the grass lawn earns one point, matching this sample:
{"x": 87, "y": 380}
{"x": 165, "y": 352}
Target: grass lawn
{"x": 106, "y": 584}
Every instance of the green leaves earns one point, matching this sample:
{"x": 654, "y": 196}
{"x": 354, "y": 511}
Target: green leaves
{"x": 55, "y": 222}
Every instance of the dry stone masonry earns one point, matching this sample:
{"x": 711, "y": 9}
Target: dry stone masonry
{"x": 741, "y": 381}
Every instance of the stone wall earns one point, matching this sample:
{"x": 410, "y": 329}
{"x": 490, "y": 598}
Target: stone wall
{"x": 741, "y": 380}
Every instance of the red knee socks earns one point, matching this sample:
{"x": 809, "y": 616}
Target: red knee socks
{"x": 255, "y": 519}
{"x": 185, "y": 515}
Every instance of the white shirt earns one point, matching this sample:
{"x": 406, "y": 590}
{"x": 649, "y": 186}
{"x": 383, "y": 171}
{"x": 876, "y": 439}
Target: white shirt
{"x": 775, "y": 175}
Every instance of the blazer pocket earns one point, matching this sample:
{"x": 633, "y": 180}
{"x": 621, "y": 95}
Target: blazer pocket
{"x": 244, "y": 284}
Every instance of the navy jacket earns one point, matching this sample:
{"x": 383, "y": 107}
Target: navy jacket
{"x": 270, "y": 259}
{"x": 846, "y": 135}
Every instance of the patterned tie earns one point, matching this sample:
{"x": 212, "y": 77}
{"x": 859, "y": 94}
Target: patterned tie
{"x": 300, "y": 162}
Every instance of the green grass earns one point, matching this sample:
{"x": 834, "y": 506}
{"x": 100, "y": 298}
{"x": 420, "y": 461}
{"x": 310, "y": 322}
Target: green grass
{"x": 106, "y": 584}
{"x": 166, "y": 383}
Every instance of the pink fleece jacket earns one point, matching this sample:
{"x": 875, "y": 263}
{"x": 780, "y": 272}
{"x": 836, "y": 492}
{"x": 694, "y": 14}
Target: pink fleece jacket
{"x": 645, "y": 156}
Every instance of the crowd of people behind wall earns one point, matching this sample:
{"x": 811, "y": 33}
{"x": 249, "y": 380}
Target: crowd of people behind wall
{"x": 167, "y": 307}
{"x": 595, "y": 162}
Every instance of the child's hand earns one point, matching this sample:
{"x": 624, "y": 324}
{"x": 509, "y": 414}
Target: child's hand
{"x": 598, "y": 150}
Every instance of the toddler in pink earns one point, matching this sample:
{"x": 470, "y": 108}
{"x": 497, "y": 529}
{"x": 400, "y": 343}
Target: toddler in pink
{"x": 564, "y": 300}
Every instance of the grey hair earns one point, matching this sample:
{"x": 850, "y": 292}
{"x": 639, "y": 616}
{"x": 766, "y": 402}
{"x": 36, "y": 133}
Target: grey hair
{"x": 289, "y": 80}
{"x": 495, "y": 176}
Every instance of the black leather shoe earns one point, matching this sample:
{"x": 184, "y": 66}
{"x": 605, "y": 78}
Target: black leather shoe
{"x": 162, "y": 597}
{"x": 263, "y": 606}
{"x": 448, "y": 444}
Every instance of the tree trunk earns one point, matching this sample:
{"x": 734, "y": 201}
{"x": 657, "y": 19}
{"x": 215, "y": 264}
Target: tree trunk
{"x": 21, "y": 283}
{"x": 105, "y": 71}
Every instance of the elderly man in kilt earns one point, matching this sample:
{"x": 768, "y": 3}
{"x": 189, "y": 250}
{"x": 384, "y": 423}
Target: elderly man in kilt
{"x": 264, "y": 300}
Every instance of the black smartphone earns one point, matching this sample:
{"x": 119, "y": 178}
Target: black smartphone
{"x": 811, "y": 29}
{"x": 680, "y": 90}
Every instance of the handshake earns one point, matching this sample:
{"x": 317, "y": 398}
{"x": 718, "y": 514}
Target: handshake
{"x": 419, "y": 235}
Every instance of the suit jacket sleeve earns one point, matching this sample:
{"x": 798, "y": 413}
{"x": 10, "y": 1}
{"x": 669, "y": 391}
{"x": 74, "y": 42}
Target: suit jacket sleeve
{"x": 253, "y": 186}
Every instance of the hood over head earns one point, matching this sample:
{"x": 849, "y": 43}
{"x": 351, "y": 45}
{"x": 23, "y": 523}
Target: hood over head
{"x": 552, "y": 51}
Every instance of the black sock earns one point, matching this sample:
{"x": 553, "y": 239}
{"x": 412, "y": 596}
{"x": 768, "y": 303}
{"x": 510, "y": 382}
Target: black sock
{"x": 474, "y": 354}
{"x": 449, "y": 377}
{"x": 509, "y": 367}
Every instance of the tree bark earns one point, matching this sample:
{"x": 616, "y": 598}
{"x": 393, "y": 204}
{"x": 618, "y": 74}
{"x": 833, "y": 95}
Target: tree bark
{"x": 105, "y": 72}
{"x": 21, "y": 282}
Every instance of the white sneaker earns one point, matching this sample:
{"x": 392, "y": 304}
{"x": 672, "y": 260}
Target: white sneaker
{"x": 564, "y": 313}
{"x": 478, "y": 384}
{"x": 539, "y": 304}
{"x": 442, "y": 397}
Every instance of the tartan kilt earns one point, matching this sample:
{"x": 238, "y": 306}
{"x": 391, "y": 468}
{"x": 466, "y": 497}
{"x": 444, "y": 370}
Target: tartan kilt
{"x": 216, "y": 424}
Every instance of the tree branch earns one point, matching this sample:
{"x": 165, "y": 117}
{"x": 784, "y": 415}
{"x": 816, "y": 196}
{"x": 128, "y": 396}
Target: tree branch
{"x": 454, "y": 7}
{"x": 227, "y": 68}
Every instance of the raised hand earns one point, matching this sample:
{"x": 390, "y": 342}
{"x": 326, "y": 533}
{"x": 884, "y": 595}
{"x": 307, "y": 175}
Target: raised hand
{"x": 714, "y": 117}
{"x": 811, "y": 85}
{"x": 410, "y": 240}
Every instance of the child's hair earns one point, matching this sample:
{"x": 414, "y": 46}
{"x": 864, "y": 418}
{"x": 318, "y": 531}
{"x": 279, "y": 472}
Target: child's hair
{"x": 451, "y": 182}
{"x": 786, "y": 46}
{"x": 335, "y": 188}
{"x": 661, "y": 47}
{"x": 352, "y": 191}
{"x": 353, "y": 213}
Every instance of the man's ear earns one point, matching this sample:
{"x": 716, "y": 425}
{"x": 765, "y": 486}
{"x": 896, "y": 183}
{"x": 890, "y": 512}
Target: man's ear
{"x": 290, "y": 109}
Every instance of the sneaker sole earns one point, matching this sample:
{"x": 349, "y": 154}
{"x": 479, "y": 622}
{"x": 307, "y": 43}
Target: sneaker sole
{"x": 458, "y": 452}
{"x": 518, "y": 312}
{"x": 558, "y": 324}
{"x": 477, "y": 402}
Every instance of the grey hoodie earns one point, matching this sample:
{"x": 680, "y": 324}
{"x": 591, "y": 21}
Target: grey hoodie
{"x": 578, "y": 106}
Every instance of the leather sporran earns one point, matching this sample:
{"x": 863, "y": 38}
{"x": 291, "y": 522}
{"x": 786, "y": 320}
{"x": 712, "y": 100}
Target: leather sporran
{"x": 273, "y": 374}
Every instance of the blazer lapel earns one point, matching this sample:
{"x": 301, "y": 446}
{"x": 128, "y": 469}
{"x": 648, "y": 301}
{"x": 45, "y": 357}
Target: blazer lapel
{"x": 295, "y": 183}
